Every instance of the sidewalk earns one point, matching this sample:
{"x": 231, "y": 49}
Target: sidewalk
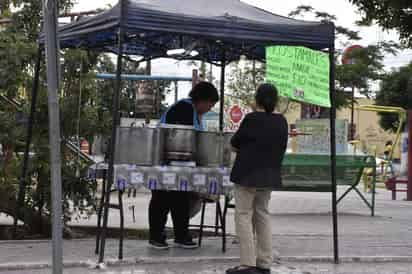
{"x": 207, "y": 268}
{"x": 301, "y": 231}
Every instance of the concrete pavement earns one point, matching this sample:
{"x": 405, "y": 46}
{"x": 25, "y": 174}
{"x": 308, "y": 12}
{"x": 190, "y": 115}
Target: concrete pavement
{"x": 207, "y": 268}
{"x": 301, "y": 231}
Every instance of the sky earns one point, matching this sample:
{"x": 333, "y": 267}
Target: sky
{"x": 346, "y": 14}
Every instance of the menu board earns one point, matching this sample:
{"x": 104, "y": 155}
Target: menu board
{"x": 299, "y": 73}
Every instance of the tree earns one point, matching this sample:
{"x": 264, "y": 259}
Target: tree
{"x": 368, "y": 61}
{"x": 4, "y": 7}
{"x": 395, "y": 90}
{"x": 366, "y": 69}
{"x": 128, "y": 99}
{"x": 343, "y": 34}
{"x": 85, "y": 107}
{"x": 244, "y": 78}
{"x": 389, "y": 14}
{"x": 17, "y": 55}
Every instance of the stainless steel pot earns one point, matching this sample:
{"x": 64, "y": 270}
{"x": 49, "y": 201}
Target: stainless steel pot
{"x": 209, "y": 149}
{"x": 179, "y": 142}
{"x": 213, "y": 149}
{"x": 139, "y": 146}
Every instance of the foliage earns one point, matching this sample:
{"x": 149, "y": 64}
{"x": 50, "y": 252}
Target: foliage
{"x": 344, "y": 37}
{"x": 27, "y": 19}
{"x": 128, "y": 98}
{"x": 368, "y": 61}
{"x": 85, "y": 107}
{"x": 15, "y": 62}
{"x": 17, "y": 55}
{"x": 390, "y": 14}
{"x": 342, "y": 34}
{"x": 79, "y": 91}
{"x": 367, "y": 67}
{"x": 244, "y": 79}
{"x": 395, "y": 90}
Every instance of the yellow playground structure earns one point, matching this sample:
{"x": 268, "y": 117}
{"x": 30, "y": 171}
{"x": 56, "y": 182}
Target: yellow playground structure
{"x": 382, "y": 173}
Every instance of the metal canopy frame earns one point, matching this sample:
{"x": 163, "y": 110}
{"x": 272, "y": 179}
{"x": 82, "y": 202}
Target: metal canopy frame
{"x": 222, "y": 64}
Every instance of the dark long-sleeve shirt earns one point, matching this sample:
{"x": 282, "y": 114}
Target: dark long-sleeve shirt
{"x": 180, "y": 114}
{"x": 261, "y": 141}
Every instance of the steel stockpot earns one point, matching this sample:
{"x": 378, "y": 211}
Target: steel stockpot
{"x": 139, "y": 146}
{"x": 213, "y": 149}
{"x": 179, "y": 142}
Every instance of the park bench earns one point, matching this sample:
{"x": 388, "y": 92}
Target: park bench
{"x": 311, "y": 172}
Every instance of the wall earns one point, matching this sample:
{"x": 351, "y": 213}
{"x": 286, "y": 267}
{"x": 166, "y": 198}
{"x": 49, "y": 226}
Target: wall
{"x": 368, "y": 128}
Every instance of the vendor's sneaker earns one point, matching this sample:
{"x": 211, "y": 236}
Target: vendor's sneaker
{"x": 160, "y": 245}
{"x": 186, "y": 244}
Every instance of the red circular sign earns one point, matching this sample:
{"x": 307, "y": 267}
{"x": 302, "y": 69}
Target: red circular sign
{"x": 346, "y": 60}
{"x": 236, "y": 114}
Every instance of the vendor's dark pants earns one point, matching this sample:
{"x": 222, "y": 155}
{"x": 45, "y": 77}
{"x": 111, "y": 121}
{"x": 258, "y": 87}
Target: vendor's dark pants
{"x": 163, "y": 202}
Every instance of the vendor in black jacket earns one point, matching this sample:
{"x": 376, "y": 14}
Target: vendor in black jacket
{"x": 185, "y": 112}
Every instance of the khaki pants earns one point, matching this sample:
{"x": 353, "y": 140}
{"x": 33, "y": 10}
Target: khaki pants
{"x": 252, "y": 215}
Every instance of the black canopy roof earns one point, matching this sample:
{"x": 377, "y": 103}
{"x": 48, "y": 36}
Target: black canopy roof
{"x": 210, "y": 27}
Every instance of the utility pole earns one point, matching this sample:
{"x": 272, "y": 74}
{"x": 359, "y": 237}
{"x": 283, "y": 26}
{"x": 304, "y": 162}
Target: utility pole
{"x": 53, "y": 65}
{"x": 176, "y": 91}
{"x": 352, "y": 126}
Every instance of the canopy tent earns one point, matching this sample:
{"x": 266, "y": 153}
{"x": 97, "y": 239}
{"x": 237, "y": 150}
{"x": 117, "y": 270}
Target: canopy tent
{"x": 209, "y": 27}
{"x": 219, "y": 31}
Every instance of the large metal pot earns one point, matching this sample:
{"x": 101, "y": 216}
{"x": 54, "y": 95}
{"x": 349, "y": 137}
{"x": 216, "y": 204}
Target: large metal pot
{"x": 209, "y": 149}
{"x": 139, "y": 146}
{"x": 214, "y": 149}
{"x": 179, "y": 142}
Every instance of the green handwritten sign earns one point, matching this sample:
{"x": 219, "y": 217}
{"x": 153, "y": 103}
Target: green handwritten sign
{"x": 299, "y": 73}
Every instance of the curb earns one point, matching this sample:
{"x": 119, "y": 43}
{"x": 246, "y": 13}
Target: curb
{"x": 114, "y": 262}
{"x": 38, "y": 241}
{"x": 150, "y": 260}
{"x": 348, "y": 259}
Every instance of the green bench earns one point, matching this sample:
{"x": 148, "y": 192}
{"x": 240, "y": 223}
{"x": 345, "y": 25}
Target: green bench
{"x": 312, "y": 172}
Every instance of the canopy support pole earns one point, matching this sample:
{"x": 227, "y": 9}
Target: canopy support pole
{"x": 29, "y": 133}
{"x": 176, "y": 91}
{"x": 222, "y": 92}
{"x": 409, "y": 191}
{"x": 333, "y": 152}
{"x": 53, "y": 68}
{"x": 115, "y": 122}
